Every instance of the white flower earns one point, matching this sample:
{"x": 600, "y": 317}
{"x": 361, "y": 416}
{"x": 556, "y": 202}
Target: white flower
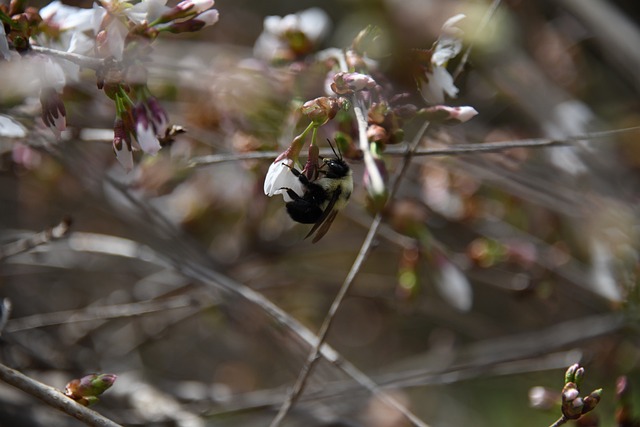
{"x": 116, "y": 34}
{"x": 11, "y": 128}
{"x": 280, "y": 176}
{"x": 147, "y": 138}
{"x": 314, "y": 23}
{"x": 439, "y": 80}
{"x": 73, "y": 18}
{"x": 147, "y": 11}
{"x": 79, "y": 26}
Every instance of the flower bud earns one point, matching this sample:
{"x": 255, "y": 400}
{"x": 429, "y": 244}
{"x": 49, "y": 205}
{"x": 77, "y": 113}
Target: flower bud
{"x": 592, "y": 400}
{"x": 570, "y": 392}
{"x": 376, "y": 133}
{"x": 86, "y": 389}
{"x": 321, "y": 110}
{"x": 570, "y": 375}
{"x": 347, "y": 83}
{"x": 449, "y": 115}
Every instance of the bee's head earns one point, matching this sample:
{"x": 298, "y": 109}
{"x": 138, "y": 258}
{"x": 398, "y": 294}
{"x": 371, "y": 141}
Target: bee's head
{"x": 335, "y": 168}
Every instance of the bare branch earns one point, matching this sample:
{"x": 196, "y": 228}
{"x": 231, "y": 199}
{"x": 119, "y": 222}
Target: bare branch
{"x": 81, "y": 60}
{"x": 452, "y": 150}
{"x": 54, "y": 398}
{"x": 560, "y": 421}
{"x": 314, "y": 356}
{"x": 100, "y": 313}
{"x": 485, "y": 21}
{"x": 38, "y": 239}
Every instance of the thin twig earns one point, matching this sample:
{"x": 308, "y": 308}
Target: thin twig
{"x": 485, "y": 21}
{"x": 38, "y": 239}
{"x": 81, "y": 60}
{"x": 54, "y": 398}
{"x": 99, "y": 313}
{"x": 314, "y": 356}
{"x": 453, "y": 150}
{"x": 365, "y": 249}
{"x": 559, "y": 421}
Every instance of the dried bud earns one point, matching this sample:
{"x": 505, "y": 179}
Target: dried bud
{"x": 321, "y": 110}
{"x": 16, "y": 6}
{"x": 376, "y": 133}
{"x": 378, "y": 112}
{"x": 347, "y": 83}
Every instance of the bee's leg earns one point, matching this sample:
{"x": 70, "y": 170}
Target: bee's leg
{"x": 291, "y": 193}
{"x": 302, "y": 177}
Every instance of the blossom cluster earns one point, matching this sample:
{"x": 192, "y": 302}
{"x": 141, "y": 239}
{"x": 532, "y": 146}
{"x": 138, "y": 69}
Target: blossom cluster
{"x": 353, "y": 81}
{"x": 114, "y": 38}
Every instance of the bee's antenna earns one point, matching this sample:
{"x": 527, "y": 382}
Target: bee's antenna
{"x": 339, "y": 153}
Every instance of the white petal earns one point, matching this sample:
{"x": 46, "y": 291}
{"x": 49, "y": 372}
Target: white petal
{"x": 51, "y": 74}
{"x": 209, "y": 17}
{"x": 125, "y": 157}
{"x": 278, "y": 176}
{"x": 446, "y": 48}
{"x": 444, "y": 80}
{"x": 271, "y": 24}
{"x": 10, "y": 128}
{"x": 451, "y": 22}
{"x": 314, "y": 23}
{"x": 202, "y": 5}
{"x": 454, "y": 287}
{"x": 147, "y": 10}
{"x": 147, "y": 140}
{"x": 465, "y": 113}
{"x": 603, "y": 276}
{"x": 116, "y": 33}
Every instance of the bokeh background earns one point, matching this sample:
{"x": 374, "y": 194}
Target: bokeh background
{"x": 528, "y": 261}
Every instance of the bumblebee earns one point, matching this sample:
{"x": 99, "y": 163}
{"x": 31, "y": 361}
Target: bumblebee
{"x": 323, "y": 197}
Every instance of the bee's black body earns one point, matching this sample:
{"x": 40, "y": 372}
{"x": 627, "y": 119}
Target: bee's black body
{"x": 323, "y": 197}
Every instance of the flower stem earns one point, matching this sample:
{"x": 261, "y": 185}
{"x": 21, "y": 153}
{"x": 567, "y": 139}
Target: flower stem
{"x": 559, "y": 421}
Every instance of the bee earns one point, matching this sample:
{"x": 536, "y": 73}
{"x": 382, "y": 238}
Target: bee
{"x": 323, "y": 197}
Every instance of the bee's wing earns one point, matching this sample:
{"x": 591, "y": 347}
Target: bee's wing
{"x": 324, "y": 222}
{"x": 322, "y": 230}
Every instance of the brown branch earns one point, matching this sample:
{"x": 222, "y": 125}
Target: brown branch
{"x": 451, "y": 150}
{"x": 315, "y": 355}
{"x": 54, "y": 398}
{"x": 38, "y": 239}
{"x": 100, "y": 313}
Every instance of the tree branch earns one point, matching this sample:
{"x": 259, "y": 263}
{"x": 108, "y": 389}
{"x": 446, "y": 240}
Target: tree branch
{"x": 37, "y": 239}
{"x": 81, "y": 60}
{"x": 54, "y": 398}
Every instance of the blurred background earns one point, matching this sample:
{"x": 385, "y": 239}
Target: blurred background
{"x": 526, "y": 260}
